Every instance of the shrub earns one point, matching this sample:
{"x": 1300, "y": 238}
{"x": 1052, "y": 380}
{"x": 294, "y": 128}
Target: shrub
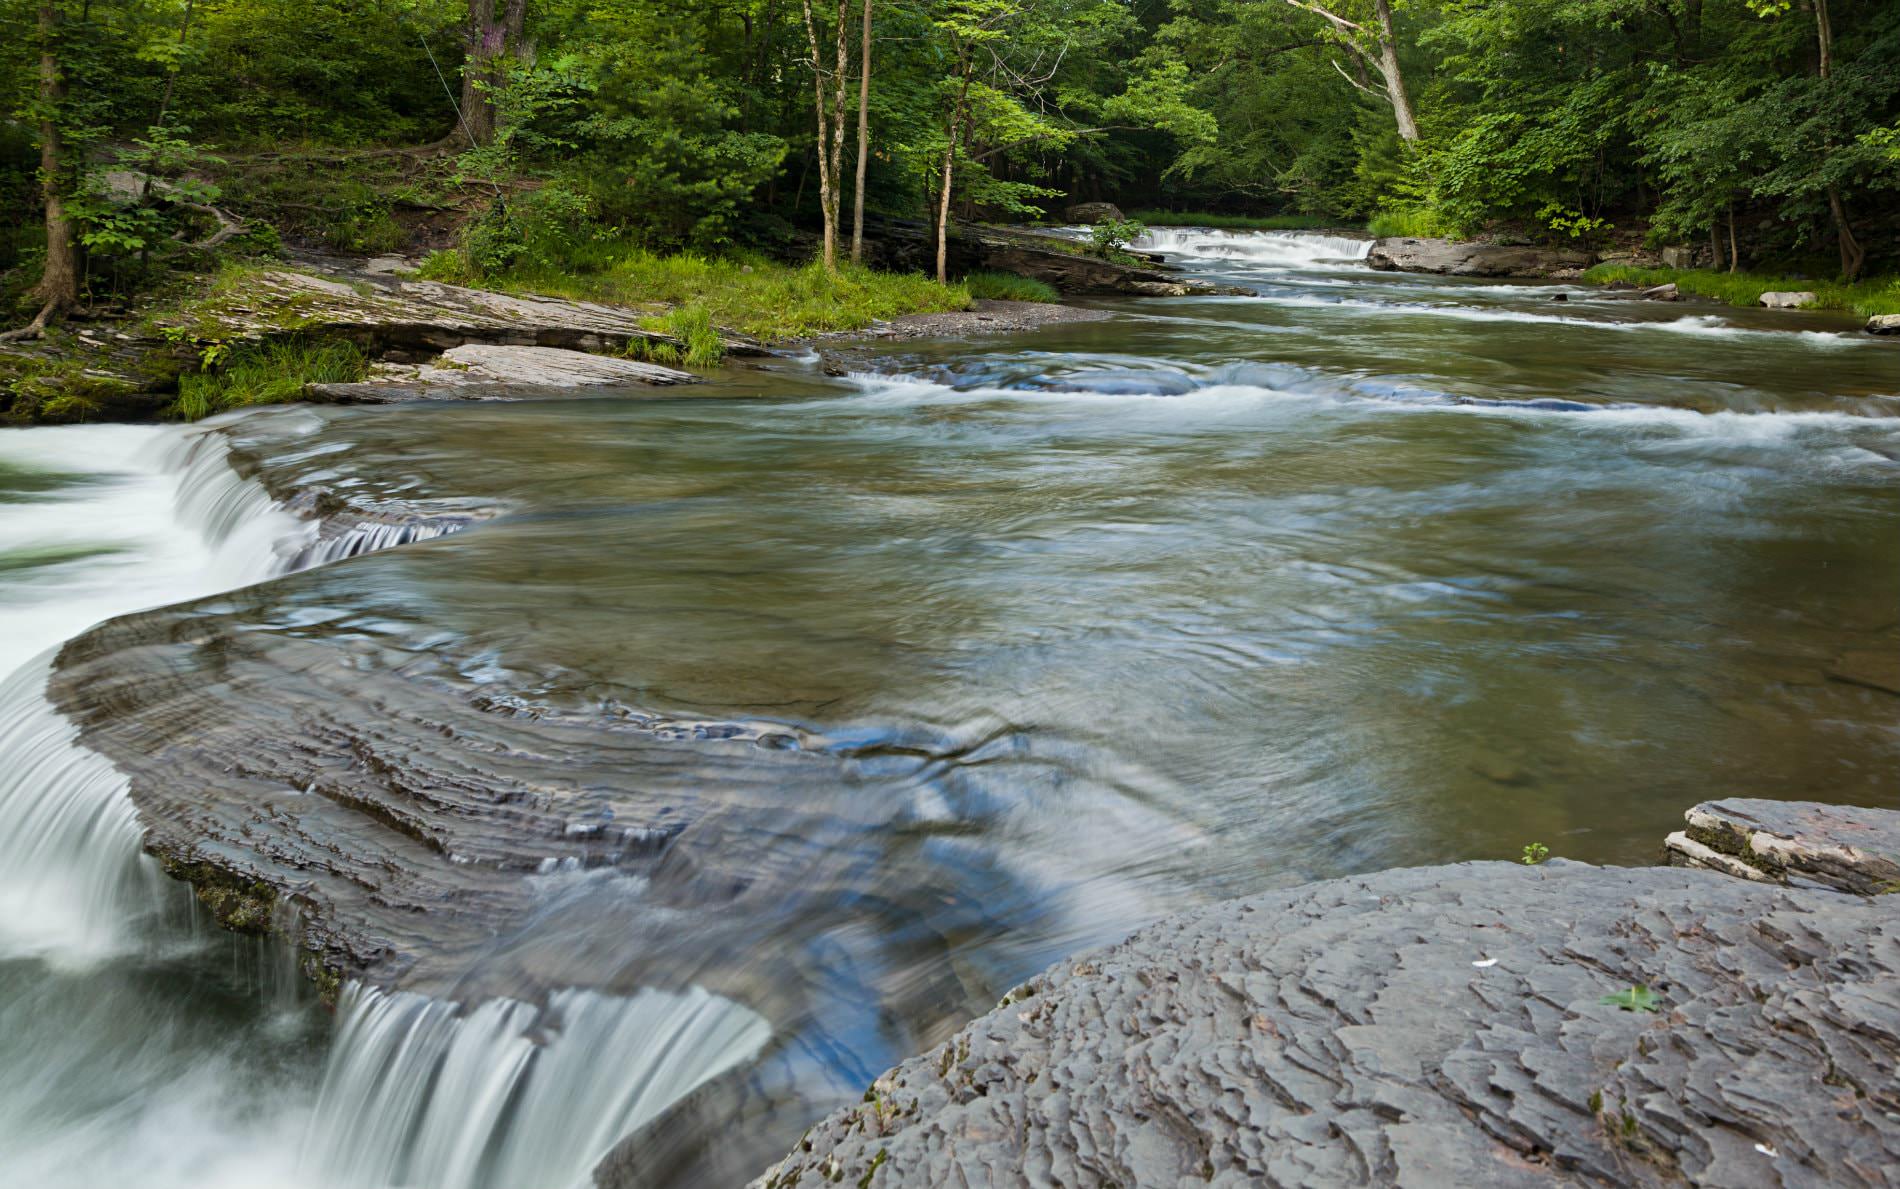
{"x": 1417, "y": 222}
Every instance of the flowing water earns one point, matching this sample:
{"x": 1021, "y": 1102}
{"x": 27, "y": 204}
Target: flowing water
{"x": 970, "y": 665}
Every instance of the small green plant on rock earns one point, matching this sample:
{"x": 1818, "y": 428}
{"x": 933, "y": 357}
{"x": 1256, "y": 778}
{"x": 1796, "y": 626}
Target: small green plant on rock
{"x": 1534, "y": 854}
{"x": 1110, "y": 236}
{"x": 1637, "y": 998}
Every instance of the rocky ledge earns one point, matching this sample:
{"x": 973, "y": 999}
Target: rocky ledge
{"x": 1475, "y": 259}
{"x": 1483, "y": 1023}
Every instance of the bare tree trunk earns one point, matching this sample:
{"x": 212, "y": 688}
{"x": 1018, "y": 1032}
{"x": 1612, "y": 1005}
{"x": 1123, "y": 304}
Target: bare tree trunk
{"x": 837, "y": 132}
{"x": 1394, "y": 78}
{"x": 949, "y": 168}
{"x": 826, "y": 205}
{"x": 58, "y": 289}
{"x": 864, "y": 138}
{"x": 1734, "y": 252}
{"x": 1853, "y": 256}
{"x": 1824, "y": 35}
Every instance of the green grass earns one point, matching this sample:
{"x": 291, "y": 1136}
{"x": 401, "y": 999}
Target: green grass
{"x": 1008, "y": 286}
{"x": 266, "y": 373}
{"x": 1235, "y": 222}
{"x": 1415, "y": 222}
{"x": 749, "y": 294}
{"x": 1880, "y": 295}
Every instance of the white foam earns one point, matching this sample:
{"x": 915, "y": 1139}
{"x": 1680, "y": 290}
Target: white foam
{"x": 1285, "y": 249}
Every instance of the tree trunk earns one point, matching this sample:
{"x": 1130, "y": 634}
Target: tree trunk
{"x": 58, "y": 289}
{"x": 837, "y": 132}
{"x": 864, "y": 139}
{"x": 1734, "y": 252}
{"x": 949, "y": 168}
{"x": 827, "y": 209}
{"x": 1853, "y": 256}
{"x": 489, "y": 40}
{"x": 1394, "y": 79}
{"x": 1715, "y": 247}
{"x": 1824, "y": 35}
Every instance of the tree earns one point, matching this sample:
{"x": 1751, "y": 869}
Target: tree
{"x": 864, "y": 139}
{"x": 831, "y": 124}
{"x": 492, "y": 38}
{"x": 58, "y": 289}
{"x": 1379, "y": 45}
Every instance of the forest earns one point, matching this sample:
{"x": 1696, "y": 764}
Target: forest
{"x": 141, "y": 134}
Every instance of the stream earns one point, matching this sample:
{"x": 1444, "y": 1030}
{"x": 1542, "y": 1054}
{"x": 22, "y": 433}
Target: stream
{"x": 895, "y": 688}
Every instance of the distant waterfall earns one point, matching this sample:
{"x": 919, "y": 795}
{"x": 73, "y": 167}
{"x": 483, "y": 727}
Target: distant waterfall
{"x": 1289, "y": 249}
{"x": 506, "y": 1095}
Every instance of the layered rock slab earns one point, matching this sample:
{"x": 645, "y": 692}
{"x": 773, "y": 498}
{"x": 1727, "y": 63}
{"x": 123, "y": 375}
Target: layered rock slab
{"x": 1472, "y": 259}
{"x": 1430, "y": 1026}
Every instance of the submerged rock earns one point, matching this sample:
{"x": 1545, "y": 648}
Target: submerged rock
{"x": 1471, "y": 1024}
{"x": 1472, "y": 259}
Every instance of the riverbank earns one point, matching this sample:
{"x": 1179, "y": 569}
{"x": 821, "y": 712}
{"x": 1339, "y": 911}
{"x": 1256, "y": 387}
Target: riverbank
{"x": 1484, "y": 1023}
{"x": 1870, "y": 299}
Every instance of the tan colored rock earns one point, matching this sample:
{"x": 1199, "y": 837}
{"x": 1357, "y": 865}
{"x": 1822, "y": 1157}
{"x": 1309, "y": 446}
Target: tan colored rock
{"x": 1790, "y": 300}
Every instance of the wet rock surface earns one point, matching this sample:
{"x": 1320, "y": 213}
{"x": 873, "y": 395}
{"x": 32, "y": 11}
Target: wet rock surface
{"x": 1472, "y": 259}
{"x": 1429, "y": 1026}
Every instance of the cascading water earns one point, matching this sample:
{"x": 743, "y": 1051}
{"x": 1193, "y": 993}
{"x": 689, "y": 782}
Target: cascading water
{"x": 508, "y": 1095}
{"x": 1289, "y": 249}
{"x": 416, "y": 1092}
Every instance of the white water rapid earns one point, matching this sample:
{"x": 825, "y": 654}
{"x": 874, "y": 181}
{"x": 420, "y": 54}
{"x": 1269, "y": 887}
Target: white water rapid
{"x": 137, "y": 1047}
{"x": 1291, "y": 249}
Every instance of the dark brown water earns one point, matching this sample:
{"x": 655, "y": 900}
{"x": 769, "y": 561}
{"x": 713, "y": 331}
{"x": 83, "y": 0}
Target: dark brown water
{"x": 1063, "y": 631}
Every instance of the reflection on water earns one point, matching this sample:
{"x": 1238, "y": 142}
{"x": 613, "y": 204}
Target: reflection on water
{"x": 942, "y": 677}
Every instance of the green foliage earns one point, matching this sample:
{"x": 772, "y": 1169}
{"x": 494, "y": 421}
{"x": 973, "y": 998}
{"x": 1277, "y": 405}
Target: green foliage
{"x": 1534, "y": 854}
{"x": 1110, "y": 236}
{"x": 265, "y": 373}
{"x": 1413, "y": 221}
{"x": 1008, "y": 286}
{"x": 1879, "y": 295}
{"x": 1637, "y": 998}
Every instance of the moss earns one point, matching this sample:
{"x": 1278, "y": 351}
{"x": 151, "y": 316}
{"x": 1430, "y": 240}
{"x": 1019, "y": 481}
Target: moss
{"x": 239, "y": 904}
{"x": 1724, "y": 842}
{"x": 42, "y": 388}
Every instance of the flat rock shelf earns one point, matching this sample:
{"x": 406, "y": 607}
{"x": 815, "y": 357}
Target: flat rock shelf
{"x": 1471, "y": 1024}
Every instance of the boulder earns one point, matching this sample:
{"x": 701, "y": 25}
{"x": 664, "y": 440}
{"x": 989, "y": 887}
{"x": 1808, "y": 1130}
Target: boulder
{"x": 1094, "y": 212}
{"x": 1787, "y": 301}
{"x": 1469, "y": 1024}
{"x": 1471, "y": 259}
{"x": 1884, "y": 324}
{"x": 1667, "y": 292}
{"x": 485, "y": 371}
{"x": 1678, "y": 257}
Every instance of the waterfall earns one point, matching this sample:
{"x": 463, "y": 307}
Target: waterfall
{"x": 1285, "y": 249}
{"x": 72, "y": 877}
{"x": 418, "y": 1093}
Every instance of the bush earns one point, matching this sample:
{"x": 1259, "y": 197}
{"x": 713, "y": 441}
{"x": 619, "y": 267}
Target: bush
{"x": 1008, "y": 286}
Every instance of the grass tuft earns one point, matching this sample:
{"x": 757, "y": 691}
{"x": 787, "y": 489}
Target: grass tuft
{"x": 266, "y": 373}
{"x": 1880, "y": 295}
{"x": 1411, "y": 222}
{"x": 1008, "y": 286}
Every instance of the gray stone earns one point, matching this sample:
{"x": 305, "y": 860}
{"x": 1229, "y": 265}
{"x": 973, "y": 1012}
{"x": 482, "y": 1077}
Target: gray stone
{"x": 1435, "y": 1026}
{"x": 1839, "y": 846}
{"x": 387, "y": 265}
{"x": 1787, "y": 301}
{"x": 1094, "y": 212}
{"x": 484, "y": 371}
{"x": 1679, "y": 257}
{"x": 1667, "y": 292}
{"x": 1884, "y": 324}
{"x": 1473, "y": 259}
